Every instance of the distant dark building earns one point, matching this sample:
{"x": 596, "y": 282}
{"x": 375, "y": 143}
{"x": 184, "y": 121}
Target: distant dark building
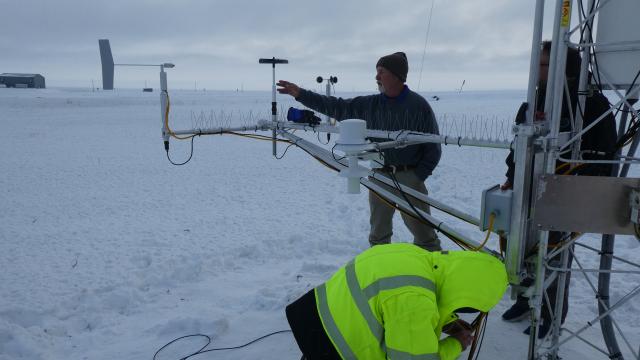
{"x": 22, "y": 80}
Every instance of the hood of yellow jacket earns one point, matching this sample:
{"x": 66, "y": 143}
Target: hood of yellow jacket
{"x": 466, "y": 279}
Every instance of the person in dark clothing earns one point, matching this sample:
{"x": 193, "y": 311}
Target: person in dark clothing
{"x": 395, "y": 108}
{"x": 599, "y": 143}
{"x": 307, "y": 328}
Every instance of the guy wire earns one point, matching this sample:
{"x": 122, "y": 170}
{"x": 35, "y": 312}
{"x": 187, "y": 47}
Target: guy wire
{"x": 426, "y": 40}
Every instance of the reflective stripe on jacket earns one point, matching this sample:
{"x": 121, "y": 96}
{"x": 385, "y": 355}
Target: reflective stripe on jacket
{"x": 384, "y": 304}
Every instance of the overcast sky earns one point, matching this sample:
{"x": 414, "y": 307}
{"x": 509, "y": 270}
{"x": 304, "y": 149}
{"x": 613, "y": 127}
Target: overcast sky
{"x": 216, "y": 44}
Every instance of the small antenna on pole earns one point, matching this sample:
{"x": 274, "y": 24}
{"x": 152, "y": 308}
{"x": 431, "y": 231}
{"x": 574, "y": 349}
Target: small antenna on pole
{"x": 461, "y": 86}
{"x": 331, "y": 80}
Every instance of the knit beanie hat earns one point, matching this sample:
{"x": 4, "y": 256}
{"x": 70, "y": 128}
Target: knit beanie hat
{"x": 396, "y": 63}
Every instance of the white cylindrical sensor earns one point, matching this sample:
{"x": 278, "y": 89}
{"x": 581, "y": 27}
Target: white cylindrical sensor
{"x": 352, "y": 132}
{"x": 617, "y": 49}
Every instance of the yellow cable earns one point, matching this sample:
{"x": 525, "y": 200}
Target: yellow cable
{"x": 572, "y": 169}
{"x": 172, "y": 134}
{"x": 561, "y": 167}
{"x": 256, "y": 137}
{"x": 397, "y": 207}
{"x": 492, "y": 218}
{"x": 166, "y": 122}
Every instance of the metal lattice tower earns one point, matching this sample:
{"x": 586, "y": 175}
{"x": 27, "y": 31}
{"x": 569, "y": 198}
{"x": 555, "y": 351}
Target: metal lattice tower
{"x": 610, "y": 52}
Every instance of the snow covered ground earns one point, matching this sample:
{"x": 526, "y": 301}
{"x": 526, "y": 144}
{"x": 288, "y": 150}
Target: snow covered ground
{"x": 108, "y": 251}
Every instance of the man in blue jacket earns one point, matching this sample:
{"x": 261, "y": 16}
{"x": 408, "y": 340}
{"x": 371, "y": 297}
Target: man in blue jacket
{"x": 395, "y": 108}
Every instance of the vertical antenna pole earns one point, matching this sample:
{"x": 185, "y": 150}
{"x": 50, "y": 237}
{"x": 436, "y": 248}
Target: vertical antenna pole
{"x": 328, "y": 93}
{"x": 274, "y": 108}
{"x": 164, "y": 96}
{"x": 523, "y": 155}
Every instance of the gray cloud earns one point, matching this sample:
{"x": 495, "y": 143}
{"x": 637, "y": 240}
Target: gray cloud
{"x": 217, "y": 43}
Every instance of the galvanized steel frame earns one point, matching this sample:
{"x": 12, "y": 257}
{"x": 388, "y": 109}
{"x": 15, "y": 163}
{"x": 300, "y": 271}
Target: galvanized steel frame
{"x": 551, "y": 150}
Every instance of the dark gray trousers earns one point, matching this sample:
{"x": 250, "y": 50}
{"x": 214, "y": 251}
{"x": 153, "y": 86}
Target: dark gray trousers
{"x": 381, "y": 219}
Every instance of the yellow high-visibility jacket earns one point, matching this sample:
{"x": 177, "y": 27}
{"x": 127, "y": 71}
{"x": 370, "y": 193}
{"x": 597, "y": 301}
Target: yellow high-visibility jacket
{"x": 392, "y": 301}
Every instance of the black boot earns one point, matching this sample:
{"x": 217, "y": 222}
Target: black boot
{"x": 518, "y": 311}
{"x": 543, "y": 329}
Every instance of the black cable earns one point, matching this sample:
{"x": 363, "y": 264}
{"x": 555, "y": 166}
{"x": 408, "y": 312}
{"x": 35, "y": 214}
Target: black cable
{"x": 334, "y": 155}
{"x": 628, "y": 135}
{"x": 285, "y": 151}
{"x": 419, "y": 216}
{"x": 581, "y": 7}
{"x": 202, "y": 351}
{"x": 481, "y": 332}
{"x": 378, "y": 162}
{"x": 620, "y": 108}
{"x": 399, "y": 134}
{"x": 632, "y": 127}
{"x": 396, "y": 183}
{"x": 596, "y": 72}
{"x": 594, "y": 64}
{"x": 190, "y": 155}
{"x": 319, "y": 159}
{"x": 328, "y": 138}
{"x": 596, "y": 76}
{"x": 184, "y": 337}
{"x": 251, "y": 136}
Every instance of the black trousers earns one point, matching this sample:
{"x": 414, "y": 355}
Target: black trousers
{"x": 555, "y": 238}
{"x": 307, "y": 329}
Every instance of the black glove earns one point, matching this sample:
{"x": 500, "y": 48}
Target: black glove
{"x": 302, "y": 116}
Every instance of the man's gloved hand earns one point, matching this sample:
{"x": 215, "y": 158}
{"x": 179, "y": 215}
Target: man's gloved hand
{"x": 465, "y": 337}
{"x": 507, "y": 185}
{"x": 461, "y": 331}
{"x": 456, "y": 326}
{"x": 302, "y": 116}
